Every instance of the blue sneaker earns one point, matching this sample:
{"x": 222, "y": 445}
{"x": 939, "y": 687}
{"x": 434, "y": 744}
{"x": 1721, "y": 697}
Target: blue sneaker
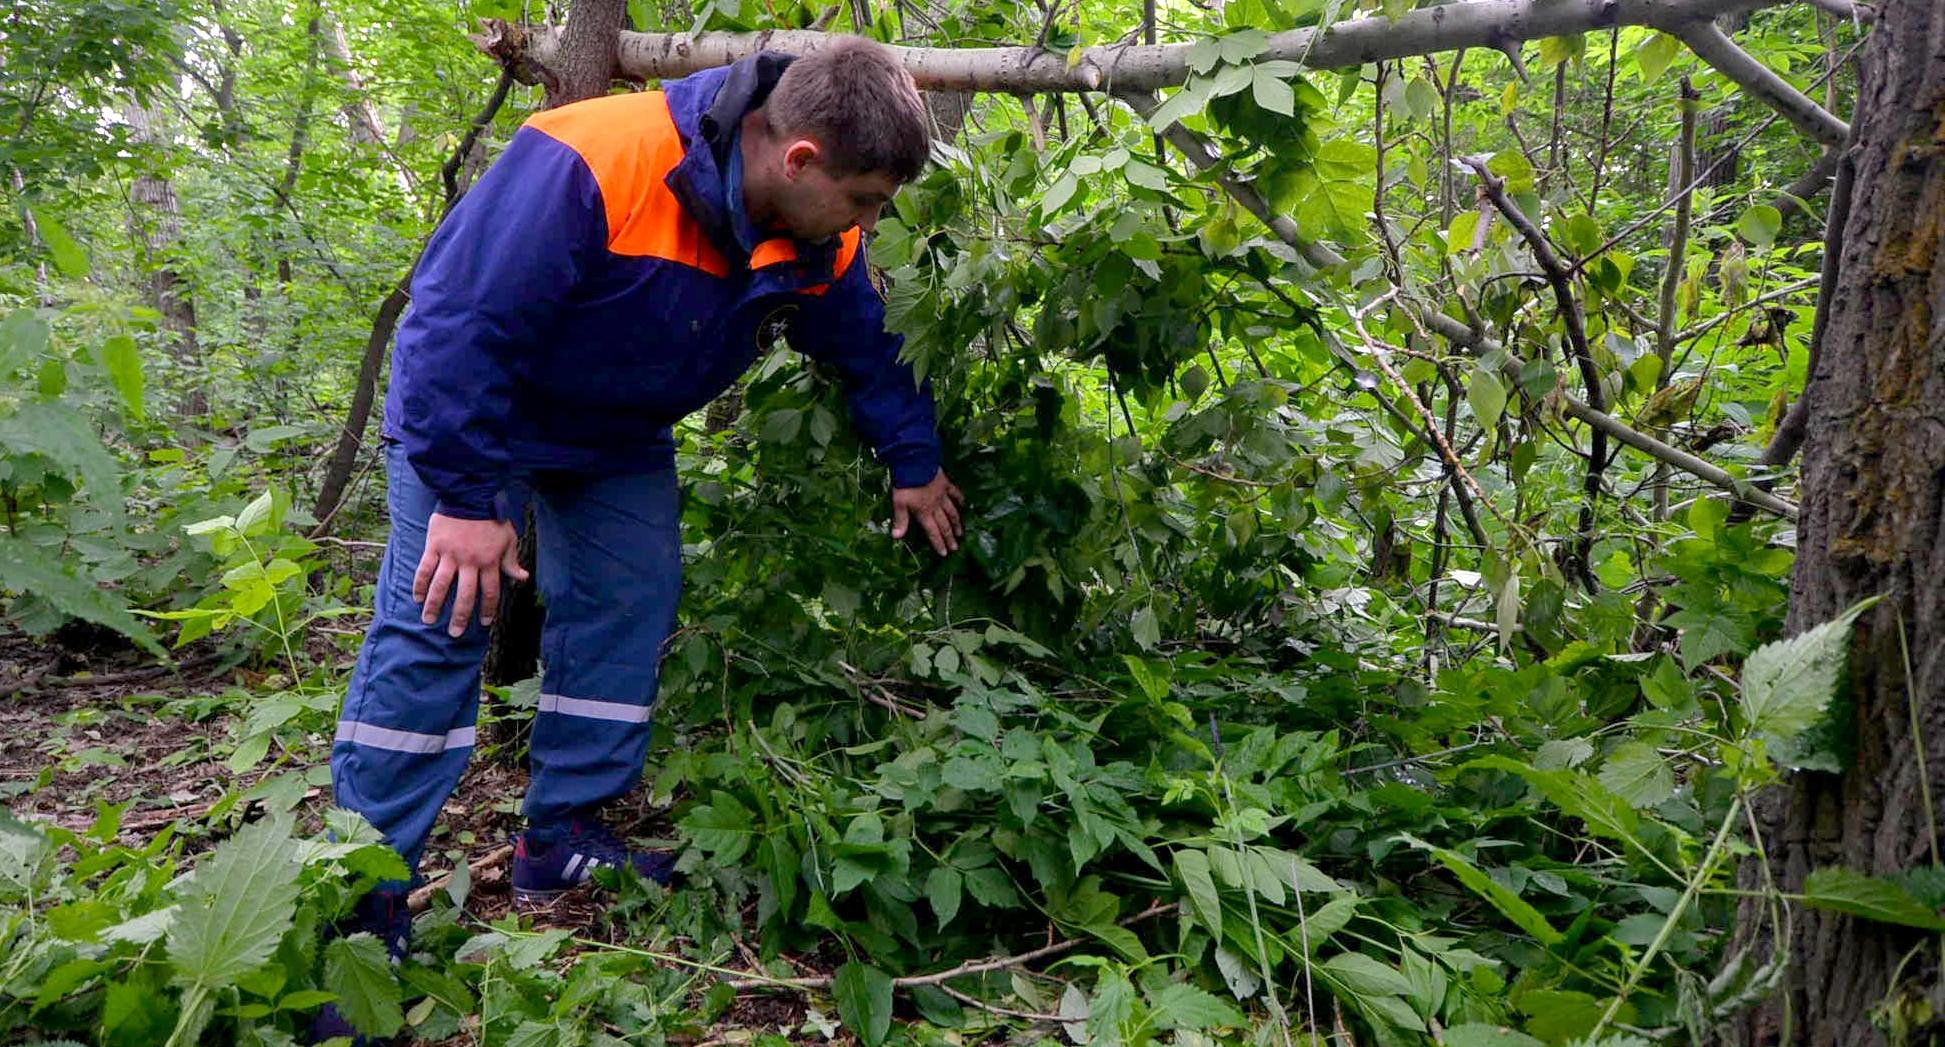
{"x": 550, "y": 860}
{"x": 385, "y": 913}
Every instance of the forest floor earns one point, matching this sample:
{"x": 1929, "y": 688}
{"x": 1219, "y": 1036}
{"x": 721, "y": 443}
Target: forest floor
{"x": 85, "y": 727}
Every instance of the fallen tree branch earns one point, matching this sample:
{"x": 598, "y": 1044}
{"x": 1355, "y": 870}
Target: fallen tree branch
{"x": 1560, "y": 278}
{"x": 1863, "y": 13}
{"x": 1713, "y": 46}
{"x": 1199, "y": 152}
{"x": 1460, "y": 334}
{"x": 1142, "y": 67}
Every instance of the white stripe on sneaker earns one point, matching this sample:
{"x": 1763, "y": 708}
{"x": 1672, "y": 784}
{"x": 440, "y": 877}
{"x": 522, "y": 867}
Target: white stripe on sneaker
{"x": 619, "y": 712}
{"x": 376, "y": 737}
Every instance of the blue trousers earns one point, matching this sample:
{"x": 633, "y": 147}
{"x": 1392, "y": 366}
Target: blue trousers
{"x": 609, "y": 574}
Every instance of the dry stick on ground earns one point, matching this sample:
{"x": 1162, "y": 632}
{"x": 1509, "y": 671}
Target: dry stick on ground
{"x": 997, "y": 963}
{"x": 1005, "y": 1012}
{"x": 421, "y": 898}
{"x": 1560, "y": 278}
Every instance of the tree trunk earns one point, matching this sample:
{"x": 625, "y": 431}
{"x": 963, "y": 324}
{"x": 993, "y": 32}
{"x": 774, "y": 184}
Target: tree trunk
{"x": 1873, "y": 523}
{"x": 156, "y": 225}
{"x": 584, "y": 67}
{"x": 587, "y": 61}
{"x": 360, "y": 115}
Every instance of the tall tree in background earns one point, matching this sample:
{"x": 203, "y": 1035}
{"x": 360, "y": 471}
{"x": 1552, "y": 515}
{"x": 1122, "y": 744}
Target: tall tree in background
{"x": 155, "y": 224}
{"x": 1873, "y": 495}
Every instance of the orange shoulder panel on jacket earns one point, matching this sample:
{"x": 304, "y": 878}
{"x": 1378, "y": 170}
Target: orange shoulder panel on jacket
{"x": 630, "y": 144}
{"x": 847, "y": 252}
{"x": 847, "y": 249}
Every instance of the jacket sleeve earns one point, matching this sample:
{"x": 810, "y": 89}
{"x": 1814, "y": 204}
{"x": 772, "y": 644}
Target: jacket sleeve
{"x": 844, "y": 328}
{"x": 491, "y": 279}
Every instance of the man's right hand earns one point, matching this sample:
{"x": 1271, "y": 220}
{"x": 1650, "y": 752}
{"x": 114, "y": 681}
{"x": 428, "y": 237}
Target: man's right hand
{"x": 465, "y": 558}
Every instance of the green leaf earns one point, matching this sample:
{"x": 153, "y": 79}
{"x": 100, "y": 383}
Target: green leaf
{"x": 1364, "y": 976}
{"x": 1873, "y": 898}
{"x": 1557, "y": 49}
{"x": 863, "y": 997}
{"x": 1638, "y": 774}
{"x": 1512, "y": 906}
{"x": 1336, "y": 206}
{"x": 1655, "y": 54}
{"x": 1179, "y": 1005}
{"x": 945, "y": 889}
{"x": 1192, "y": 866}
{"x": 1708, "y": 633}
{"x": 1147, "y": 631}
{"x": 1786, "y": 685}
{"x": 1513, "y": 166}
{"x": 1458, "y": 236}
{"x": 1059, "y": 193}
{"x": 781, "y": 426}
{"x": 722, "y": 827}
{"x": 1243, "y": 45}
{"x": 1182, "y": 104}
{"x": 1422, "y": 98}
{"x": 68, "y": 256}
{"x": 357, "y": 969}
{"x": 1274, "y": 94}
{"x": 1760, "y": 224}
{"x": 248, "y": 753}
{"x": 23, "y": 337}
{"x": 27, "y": 569}
{"x": 118, "y": 356}
{"x": 241, "y": 900}
{"x": 991, "y": 888}
{"x": 60, "y": 434}
{"x": 1487, "y": 395}
{"x": 1477, "y": 1034}
{"x": 1560, "y": 1015}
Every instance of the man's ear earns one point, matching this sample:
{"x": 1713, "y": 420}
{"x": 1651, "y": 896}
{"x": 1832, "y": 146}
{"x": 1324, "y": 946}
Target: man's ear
{"x": 799, "y": 155}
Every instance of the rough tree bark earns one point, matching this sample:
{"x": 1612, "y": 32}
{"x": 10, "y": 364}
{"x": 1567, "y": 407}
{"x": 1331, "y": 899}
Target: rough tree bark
{"x": 1139, "y": 67}
{"x": 156, "y": 226}
{"x": 1873, "y": 523}
{"x": 586, "y": 62}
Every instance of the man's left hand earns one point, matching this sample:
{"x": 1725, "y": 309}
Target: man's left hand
{"x": 936, "y": 508}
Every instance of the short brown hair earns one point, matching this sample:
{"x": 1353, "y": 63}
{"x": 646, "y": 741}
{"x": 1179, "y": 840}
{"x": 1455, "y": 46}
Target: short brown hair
{"x": 859, "y": 103}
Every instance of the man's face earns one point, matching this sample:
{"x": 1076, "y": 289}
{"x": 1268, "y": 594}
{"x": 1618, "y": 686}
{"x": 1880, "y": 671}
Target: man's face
{"x": 814, "y": 204}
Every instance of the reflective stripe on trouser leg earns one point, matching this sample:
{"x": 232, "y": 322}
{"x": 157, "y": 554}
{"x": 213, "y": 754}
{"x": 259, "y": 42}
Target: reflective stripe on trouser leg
{"x": 610, "y": 572}
{"x": 406, "y": 728}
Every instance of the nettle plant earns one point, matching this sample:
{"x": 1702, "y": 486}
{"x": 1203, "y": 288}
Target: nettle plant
{"x": 124, "y": 946}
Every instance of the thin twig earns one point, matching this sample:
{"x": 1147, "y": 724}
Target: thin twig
{"x": 1005, "y": 1012}
{"x": 997, "y": 963}
{"x": 420, "y": 899}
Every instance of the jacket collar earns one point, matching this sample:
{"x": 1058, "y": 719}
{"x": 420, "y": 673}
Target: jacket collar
{"x": 708, "y": 108}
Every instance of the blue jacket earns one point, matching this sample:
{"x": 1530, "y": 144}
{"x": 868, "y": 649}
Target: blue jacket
{"x": 599, "y": 283}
